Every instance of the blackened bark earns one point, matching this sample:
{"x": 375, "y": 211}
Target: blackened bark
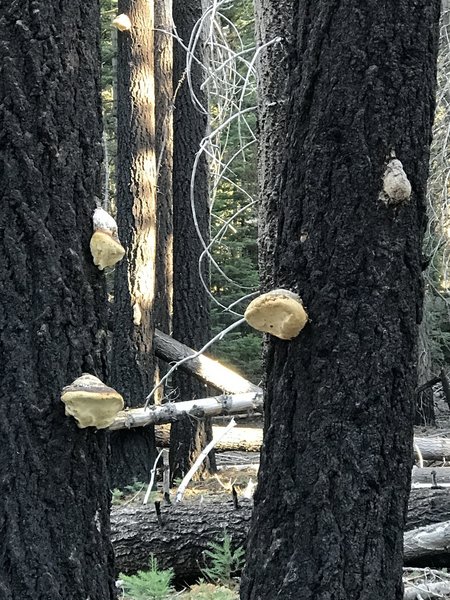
{"x": 132, "y": 362}
{"x": 164, "y": 158}
{"x": 188, "y": 529}
{"x": 353, "y": 82}
{"x": 54, "y": 508}
{"x": 190, "y": 301}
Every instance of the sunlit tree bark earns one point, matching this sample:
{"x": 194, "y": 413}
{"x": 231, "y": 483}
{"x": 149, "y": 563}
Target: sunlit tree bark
{"x": 134, "y": 294}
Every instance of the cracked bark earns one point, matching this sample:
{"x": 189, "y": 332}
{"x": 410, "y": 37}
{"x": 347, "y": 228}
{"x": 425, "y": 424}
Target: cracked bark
{"x": 54, "y": 508}
{"x": 353, "y": 82}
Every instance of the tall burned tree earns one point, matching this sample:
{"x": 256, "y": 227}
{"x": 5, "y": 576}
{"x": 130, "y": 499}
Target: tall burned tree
{"x": 54, "y": 509}
{"x": 190, "y": 300}
{"x": 352, "y": 92}
{"x": 132, "y": 360}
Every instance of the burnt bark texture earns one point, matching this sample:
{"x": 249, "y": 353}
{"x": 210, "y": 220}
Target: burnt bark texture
{"x": 187, "y": 529}
{"x": 132, "y": 367}
{"x": 54, "y": 508}
{"x": 190, "y": 300}
{"x": 179, "y": 540}
{"x": 353, "y": 84}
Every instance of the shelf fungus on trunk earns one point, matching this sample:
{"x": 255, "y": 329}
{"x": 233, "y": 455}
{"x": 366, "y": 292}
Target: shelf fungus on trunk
{"x": 122, "y": 22}
{"x": 396, "y": 185}
{"x": 279, "y": 312}
{"x": 91, "y": 402}
{"x": 105, "y": 247}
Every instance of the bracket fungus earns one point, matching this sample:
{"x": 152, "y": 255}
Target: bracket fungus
{"x": 396, "y": 185}
{"x": 122, "y": 22}
{"x": 279, "y": 312}
{"x": 105, "y": 247}
{"x": 91, "y": 402}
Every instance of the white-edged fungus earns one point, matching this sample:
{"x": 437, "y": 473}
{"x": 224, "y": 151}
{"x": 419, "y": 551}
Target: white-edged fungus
{"x": 396, "y": 185}
{"x": 105, "y": 247}
{"x": 279, "y": 312}
{"x": 122, "y": 22}
{"x": 91, "y": 402}
{"x": 103, "y": 220}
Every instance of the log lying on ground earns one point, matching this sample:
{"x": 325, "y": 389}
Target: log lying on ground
{"x": 428, "y": 476}
{"x": 249, "y": 439}
{"x": 188, "y": 528}
{"x": 427, "y": 507}
{"x": 428, "y": 546}
{"x": 433, "y": 448}
{"x": 208, "y": 370}
{"x": 172, "y": 411}
{"x": 240, "y": 439}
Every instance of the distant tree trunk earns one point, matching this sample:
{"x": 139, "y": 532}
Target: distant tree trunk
{"x": 191, "y": 305}
{"x": 164, "y": 158}
{"x": 353, "y": 83}
{"x": 54, "y": 490}
{"x": 425, "y": 414}
{"x": 132, "y": 360}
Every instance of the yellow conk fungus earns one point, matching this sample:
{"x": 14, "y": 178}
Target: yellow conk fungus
{"x": 122, "y": 22}
{"x": 91, "y": 402}
{"x": 105, "y": 249}
{"x": 279, "y": 312}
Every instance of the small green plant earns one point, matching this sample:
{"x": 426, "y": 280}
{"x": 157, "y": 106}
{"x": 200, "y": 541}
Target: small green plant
{"x": 209, "y": 591}
{"x": 117, "y": 496}
{"x": 149, "y": 585}
{"x": 224, "y": 561}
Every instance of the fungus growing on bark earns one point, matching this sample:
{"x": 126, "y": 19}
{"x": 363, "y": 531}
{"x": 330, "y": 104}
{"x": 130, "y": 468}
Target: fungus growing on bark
{"x": 91, "y": 402}
{"x": 279, "y": 312}
{"x": 396, "y": 185}
{"x": 105, "y": 247}
{"x": 122, "y": 22}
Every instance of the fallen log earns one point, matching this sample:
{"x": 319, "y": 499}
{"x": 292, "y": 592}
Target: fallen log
{"x": 433, "y": 448}
{"x": 248, "y": 439}
{"x": 208, "y": 370}
{"x": 186, "y": 532}
{"x": 430, "y": 477}
{"x": 428, "y": 546}
{"x": 172, "y": 411}
{"x": 187, "y": 529}
{"x": 240, "y": 439}
{"x": 427, "y": 507}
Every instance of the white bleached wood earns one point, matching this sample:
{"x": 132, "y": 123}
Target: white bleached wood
{"x": 172, "y": 411}
{"x": 204, "y": 453}
{"x": 425, "y": 541}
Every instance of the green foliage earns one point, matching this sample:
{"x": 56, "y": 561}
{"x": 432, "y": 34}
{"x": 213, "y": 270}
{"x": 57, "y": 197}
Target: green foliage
{"x": 117, "y": 496}
{"x": 223, "y": 561}
{"x": 209, "y": 591}
{"x": 154, "y": 584}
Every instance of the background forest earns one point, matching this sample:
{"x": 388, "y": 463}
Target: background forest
{"x": 280, "y": 160}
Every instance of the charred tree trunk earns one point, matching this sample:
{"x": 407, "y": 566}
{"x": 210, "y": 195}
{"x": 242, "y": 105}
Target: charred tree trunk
{"x": 132, "y": 360}
{"x": 187, "y": 530}
{"x": 353, "y": 84}
{"x": 54, "y": 508}
{"x": 164, "y": 162}
{"x": 190, "y": 300}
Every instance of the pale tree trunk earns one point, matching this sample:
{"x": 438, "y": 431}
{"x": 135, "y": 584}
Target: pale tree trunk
{"x": 132, "y": 361}
{"x": 347, "y": 86}
{"x": 54, "y": 489}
